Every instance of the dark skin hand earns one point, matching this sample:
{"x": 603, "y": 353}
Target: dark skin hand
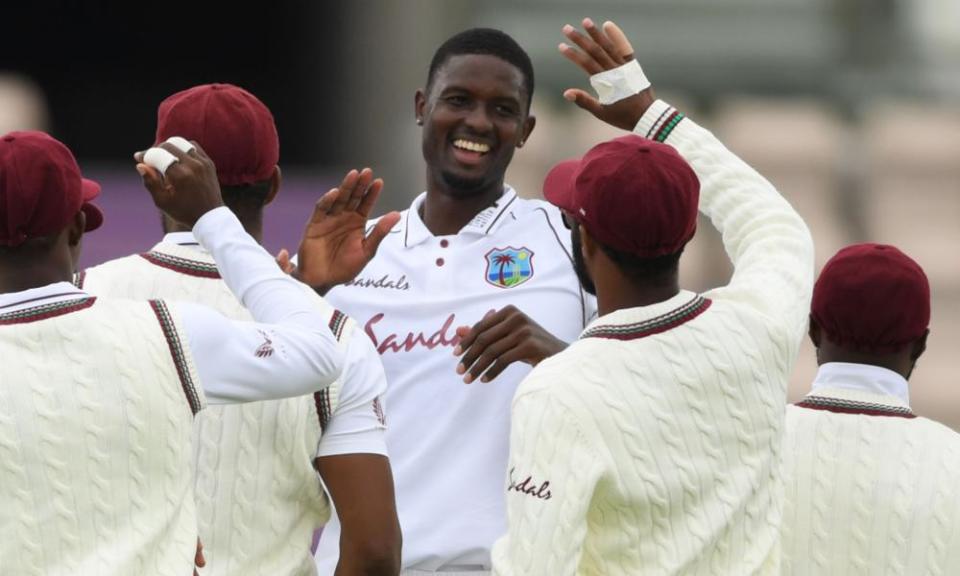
{"x": 598, "y": 50}
{"x": 500, "y": 339}
{"x": 198, "y": 560}
{"x": 335, "y": 246}
{"x": 508, "y": 335}
{"x": 188, "y": 190}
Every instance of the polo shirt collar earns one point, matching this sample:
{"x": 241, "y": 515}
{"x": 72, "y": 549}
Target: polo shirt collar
{"x": 643, "y": 321}
{"x": 487, "y": 221}
{"x": 886, "y": 386}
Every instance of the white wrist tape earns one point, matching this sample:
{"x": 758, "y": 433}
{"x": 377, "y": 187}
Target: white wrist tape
{"x": 622, "y": 82}
{"x": 159, "y": 159}
{"x": 182, "y": 143}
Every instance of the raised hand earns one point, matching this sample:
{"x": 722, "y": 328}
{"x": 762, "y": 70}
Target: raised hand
{"x": 500, "y": 339}
{"x": 335, "y": 246}
{"x": 601, "y": 50}
{"x": 189, "y": 188}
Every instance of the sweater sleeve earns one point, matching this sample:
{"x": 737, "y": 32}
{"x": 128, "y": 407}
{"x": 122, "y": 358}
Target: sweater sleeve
{"x": 768, "y": 242}
{"x": 553, "y": 473}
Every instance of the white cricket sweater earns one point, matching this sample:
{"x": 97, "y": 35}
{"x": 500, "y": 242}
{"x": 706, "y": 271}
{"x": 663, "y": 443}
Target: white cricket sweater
{"x": 870, "y": 487}
{"x": 652, "y": 445}
{"x": 95, "y": 440}
{"x": 259, "y": 498}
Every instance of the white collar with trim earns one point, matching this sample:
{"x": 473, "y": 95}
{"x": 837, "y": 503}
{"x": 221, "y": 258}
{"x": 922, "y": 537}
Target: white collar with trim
{"x": 862, "y": 378}
{"x": 486, "y": 221}
{"x": 56, "y": 292}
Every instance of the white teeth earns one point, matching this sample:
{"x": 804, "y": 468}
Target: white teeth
{"x": 472, "y": 146}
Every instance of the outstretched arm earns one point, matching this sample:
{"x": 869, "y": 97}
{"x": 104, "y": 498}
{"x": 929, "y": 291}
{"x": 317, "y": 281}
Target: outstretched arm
{"x": 766, "y": 239}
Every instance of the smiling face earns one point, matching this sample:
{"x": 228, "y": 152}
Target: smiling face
{"x": 474, "y": 116}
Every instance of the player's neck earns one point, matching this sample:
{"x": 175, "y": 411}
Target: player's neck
{"x": 24, "y": 275}
{"x": 621, "y": 295}
{"x": 253, "y": 226}
{"x": 446, "y": 212}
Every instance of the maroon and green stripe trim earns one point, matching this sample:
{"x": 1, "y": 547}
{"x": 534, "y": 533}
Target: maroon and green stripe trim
{"x": 845, "y": 406}
{"x": 668, "y": 126}
{"x": 176, "y": 351}
{"x": 695, "y": 307}
{"x": 45, "y": 311}
{"x": 182, "y": 265}
{"x": 321, "y": 399}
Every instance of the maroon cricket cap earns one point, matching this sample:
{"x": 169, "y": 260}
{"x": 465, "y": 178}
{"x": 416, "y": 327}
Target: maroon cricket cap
{"x": 232, "y": 126}
{"x": 872, "y": 298}
{"x": 631, "y": 194}
{"x": 41, "y": 188}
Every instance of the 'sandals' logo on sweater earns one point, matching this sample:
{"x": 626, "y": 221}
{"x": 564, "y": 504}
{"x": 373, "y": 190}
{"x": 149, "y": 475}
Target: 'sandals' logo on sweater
{"x": 529, "y": 487}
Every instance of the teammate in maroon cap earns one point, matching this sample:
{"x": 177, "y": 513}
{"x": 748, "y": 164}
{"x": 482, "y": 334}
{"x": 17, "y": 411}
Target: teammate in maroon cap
{"x": 259, "y": 500}
{"x": 98, "y": 395}
{"x": 870, "y": 486}
{"x": 651, "y": 445}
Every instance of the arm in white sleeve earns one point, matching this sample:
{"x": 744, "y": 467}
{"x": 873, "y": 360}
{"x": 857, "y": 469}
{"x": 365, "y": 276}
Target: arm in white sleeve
{"x": 553, "y": 473}
{"x": 769, "y": 244}
{"x": 288, "y": 351}
{"x": 358, "y": 425}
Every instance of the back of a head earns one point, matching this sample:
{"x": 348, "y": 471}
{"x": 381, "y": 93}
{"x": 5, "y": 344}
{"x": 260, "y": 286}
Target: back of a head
{"x": 487, "y": 41}
{"x": 233, "y": 127}
{"x": 637, "y": 198}
{"x": 872, "y": 299}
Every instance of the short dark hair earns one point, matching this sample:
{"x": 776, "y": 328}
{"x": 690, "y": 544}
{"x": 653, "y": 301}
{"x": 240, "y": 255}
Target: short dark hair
{"x": 485, "y": 41}
{"x": 640, "y": 267}
{"x": 244, "y": 197}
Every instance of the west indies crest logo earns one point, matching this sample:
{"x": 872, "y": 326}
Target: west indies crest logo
{"x": 509, "y": 267}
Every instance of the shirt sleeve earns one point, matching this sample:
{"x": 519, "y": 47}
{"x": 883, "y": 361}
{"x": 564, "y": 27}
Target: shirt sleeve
{"x": 769, "y": 244}
{"x": 287, "y": 351}
{"x": 552, "y": 475}
{"x": 358, "y": 424}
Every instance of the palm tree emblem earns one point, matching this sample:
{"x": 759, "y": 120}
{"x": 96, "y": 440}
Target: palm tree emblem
{"x": 503, "y": 260}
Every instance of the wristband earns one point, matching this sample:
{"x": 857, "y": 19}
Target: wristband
{"x": 622, "y": 82}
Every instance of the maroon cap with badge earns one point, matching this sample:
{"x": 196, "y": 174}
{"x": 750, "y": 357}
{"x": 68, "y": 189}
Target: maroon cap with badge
{"x": 41, "y": 188}
{"x": 631, "y": 194}
{"x": 234, "y": 128}
{"x": 872, "y": 298}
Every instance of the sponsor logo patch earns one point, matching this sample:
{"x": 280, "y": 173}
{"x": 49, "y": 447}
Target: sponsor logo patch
{"x": 509, "y": 267}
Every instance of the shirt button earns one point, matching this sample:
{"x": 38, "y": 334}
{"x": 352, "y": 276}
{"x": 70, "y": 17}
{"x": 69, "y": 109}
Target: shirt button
{"x": 444, "y": 243}
{"x": 439, "y": 261}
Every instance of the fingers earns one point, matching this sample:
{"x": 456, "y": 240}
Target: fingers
{"x": 487, "y": 346}
{"x": 584, "y": 62}
{"x": 345, "y": 188}
{"x": 323, "y": 206}
{"x": 591, "y": 50}
{"x": 283, "y": 261}
{"x": 604, "y": 42}
{"x": 378, "y": 233}
{"x": 360, "y": 190}
{"x": 584, "y": 100}
{"x": 621, "y": 46}
{"x": 370, "y": 198}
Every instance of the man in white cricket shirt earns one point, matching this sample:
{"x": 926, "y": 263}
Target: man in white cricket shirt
{"x": 471, "y": 271}
{"x": 258, "y": 497}
{"x": 652, "y": 444}
{"x": 871, "y": 488}
{"x": 98, "y": 395}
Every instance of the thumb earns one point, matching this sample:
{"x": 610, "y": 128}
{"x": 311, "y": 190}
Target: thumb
{"x": 379, "y": 232}
{"x": 584, "y": 100}
{"x": 283, "y": 261}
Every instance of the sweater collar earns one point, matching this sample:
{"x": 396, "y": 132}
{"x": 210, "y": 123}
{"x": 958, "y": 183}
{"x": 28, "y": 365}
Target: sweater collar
{"x": 859, "y": 389}
{"x": 643, "y": 321}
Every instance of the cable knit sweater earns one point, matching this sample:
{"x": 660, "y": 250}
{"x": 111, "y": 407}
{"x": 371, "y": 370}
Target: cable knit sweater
{"x": 652, "y": 445}
{"x": 870, "y": 488}
{"x": 96, "y": 400}
{"x": 259, "y": 499}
